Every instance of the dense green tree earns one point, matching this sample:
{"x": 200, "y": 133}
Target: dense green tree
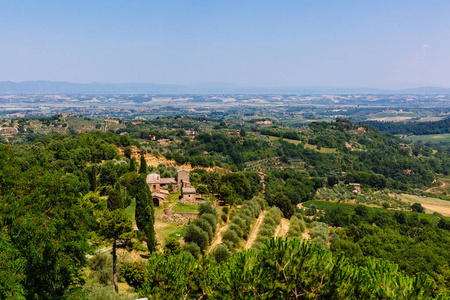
{"x": 284, "y": 204}
{"x": 39, "y": 212}
{"x": 108, "y": 173}
{"x": 417, "y": 207}
{"x": 143, "y": 168}
{"x": 144, "y": 214}
{"x": 132, "y": 165}
{"x": 114, "y": 226}
{"x": 127, "y": 152}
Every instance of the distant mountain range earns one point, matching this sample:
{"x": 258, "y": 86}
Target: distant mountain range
{"x": 53, "y": 87}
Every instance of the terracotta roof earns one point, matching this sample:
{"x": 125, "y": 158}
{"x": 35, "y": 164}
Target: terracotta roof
{"x": 188, "y": 190}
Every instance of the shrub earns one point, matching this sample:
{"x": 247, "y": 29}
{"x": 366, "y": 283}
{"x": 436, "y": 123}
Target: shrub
{"x": 133, "y": 273}
{"x": 207, "y": 208}
{"x": 171, "y": 246}
{"x": 203, "y": 224}
{"x": 232, "y": 236}
{"x": 221, "y": 253}
{"x": 225, "y": 210}
{"x": 100, "y": 261}
{"x": 212, "y": 219}
{"x": 197, "y": 235}
{"x": 224, "y": 217}
{"x": 193, "y": 249}
{"x": 107, "y": 292}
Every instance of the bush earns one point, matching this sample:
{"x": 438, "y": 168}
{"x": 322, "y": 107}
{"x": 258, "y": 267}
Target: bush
{"x": 100, "y": 261}
{"x": 207, "y": 208}
{"x": 224, "y": 217}
{"x": 204, "y": 224}
{"x": 193, "y": 249}
{"x": 231, "y": 236}
{"x": 171, "y": 246}
{"x": 133, "y": 273}
{"x": 106, "y": 292}
{"x": 197, "y": 235}
{"x": 221, "y": 253}
{"x": 212, "y": 220}
{"x": 225, "y": 210}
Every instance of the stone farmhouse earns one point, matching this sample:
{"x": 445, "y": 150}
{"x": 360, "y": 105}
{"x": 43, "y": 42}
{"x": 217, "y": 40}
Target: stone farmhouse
{"x": 160, "y": 186}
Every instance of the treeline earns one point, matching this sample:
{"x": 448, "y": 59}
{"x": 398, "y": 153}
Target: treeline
{"x": 200, "y": 232}
{"x": 412, "y": 240}
{"x": 412, "y": 128}
{"x": 280, "y": 270}
{"x": 44, "y": 232}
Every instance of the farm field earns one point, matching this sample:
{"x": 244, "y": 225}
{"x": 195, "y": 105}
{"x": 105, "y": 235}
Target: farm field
{"x": 430, "y": 204}
{"x": 432, "y": 138}
{"x": 349, "y": 208}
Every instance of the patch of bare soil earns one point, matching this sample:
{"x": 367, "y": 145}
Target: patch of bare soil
{"x": 305, "y": 234}
{"x": 283, "y": 228}
{"x": 254, "y": 230}
{"x": 217, "y": 240}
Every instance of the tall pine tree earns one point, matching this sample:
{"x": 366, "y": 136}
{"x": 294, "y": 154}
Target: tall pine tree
{"x": 145, "y": 214}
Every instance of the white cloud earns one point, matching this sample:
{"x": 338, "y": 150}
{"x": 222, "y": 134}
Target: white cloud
{"x": 425, "y": 46}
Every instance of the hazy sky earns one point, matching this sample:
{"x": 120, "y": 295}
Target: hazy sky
{"x": 386, "y": 44}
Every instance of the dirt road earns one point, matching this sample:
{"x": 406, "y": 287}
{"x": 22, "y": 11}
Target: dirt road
{"x": 283, "y": 228}
{"x": 254, "y": 230}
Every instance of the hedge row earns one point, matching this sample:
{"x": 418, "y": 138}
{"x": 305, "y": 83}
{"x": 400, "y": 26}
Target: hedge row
{"x": 200, "y": 232}
{"x": 267, "y": 229}
{"x": 297, "y": 226}
{"x": 240, "y": 224}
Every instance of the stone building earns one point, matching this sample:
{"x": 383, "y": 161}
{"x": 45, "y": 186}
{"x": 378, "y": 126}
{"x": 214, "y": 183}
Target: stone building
{"x": 160, "y": 186}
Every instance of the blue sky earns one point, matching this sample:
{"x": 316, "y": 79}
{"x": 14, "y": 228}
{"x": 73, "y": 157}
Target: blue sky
{"x": 386, "y": 44}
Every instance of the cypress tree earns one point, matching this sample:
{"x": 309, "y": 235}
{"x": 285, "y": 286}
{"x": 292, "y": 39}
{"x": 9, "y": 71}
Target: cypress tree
{"x": 144, "y": 214}
{"x": 132, "y": 165}
{"x": 114, "y": 200}
{"x": 143, "y": 168}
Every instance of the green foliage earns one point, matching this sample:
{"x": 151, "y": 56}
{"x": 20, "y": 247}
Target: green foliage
{"x": 417, "y": 207}
{"x": 297, "y": 226}
{"x": 270, "y": 222}
{"x": 38, "y": 215}
{"x": 106, "y": 292}
{"x": 221, "y": 253}
{"x": 224, "y": 217}
{"x": 143, "y": 167}
{"x": 193, "y": 249}
{"x": 280, "y": 270}
{"x": 206, "y": 207}
{"x": 144, "y": 214}
{"x": 284, "y": 204}
{"x": 319, "y": 234}
{"x": 171, "y": 246}
{"x": 108, "y": 173}
{"x": 240, "y": 224}
{"x": 197, "y": 235}
{"x": 114, "y": 200}
{"x": 133, "y": 273}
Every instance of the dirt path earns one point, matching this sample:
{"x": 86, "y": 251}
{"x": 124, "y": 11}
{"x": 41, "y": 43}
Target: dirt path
{"x": 254, "y": 230}
{"x": 305, "y": 234}
{"x": 283, "y": 228}
{"x": 217, "y": 240}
